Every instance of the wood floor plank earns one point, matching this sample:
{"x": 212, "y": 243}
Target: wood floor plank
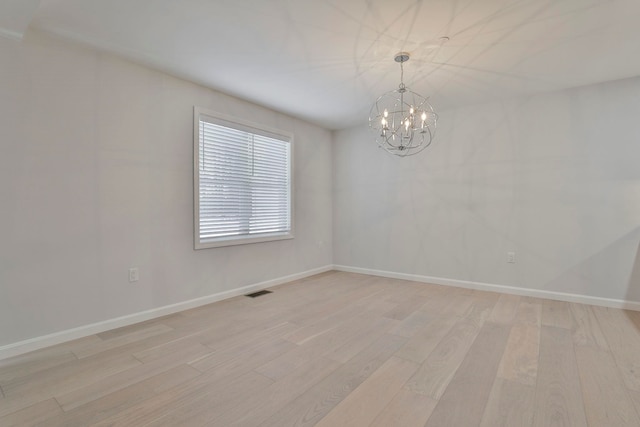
{"x": 440, "y": 366}
{"x": 634, "y": 316}
{"x": 520, "y": 360}
{"x": 31, "y": 415}
{"x": 458, "y": 304}
{"x": 217, "y": 311}
{"x": 209, "y": 317}
{"x": 481, "y": 307}
{"x": 436, "y": 302}
{"x": 172, "y": 348}
{"x": 624, "y": 342}
{"x": 411, "y": 324}
{"x": 407, "y": 409}
{"x": 510, "y": 404}
{"x": 558, "y": 394}
{"x": 136, "y": 328}
{"x": 362, "y": 405}
{"x": 557, "y": 314}
{"x": 170, "y": 406}
{"x": 309, "y": 332}
{"x": 404, "y": 310}
{"x": 398, "y": 296}
{"x": 587, "y": 331}
{"x": 379, "y": 297}
{"x": 463, "y": 402}
{"x": 43, "y": 385}
{"x": 247, "y": 348}
{"x": 430, "y": 289}
{"x": 635, "y": 398}
{"x": 529, "y": 312}
{"x": 606, "y": 400}
{"x": 90, "y": 349}
{"x": 360, "y": 287}
{"x": 505, "y": 309}
{"x": 9, "y": 405}
{"x": 320, "y": 399}
{"x": 491, "y": 360}
{"x": 248, "y": 359}
{"x": 363, "y": 340}
{"x": 114, "y": 403}
{"x": 28, "y": 364}
{"x": 235, "y": 376}
{"x": 235, "y": 338}
{"x": 200, "y": 410}
{"x": 118, "y": 381}
{"x": 255, "y": 408}
{"x": 326, "y": 343}
{"x": 141, "y": 345}
{"x": 420, "y": 346}
{"x": 70, "y": 376}
{"x": 288, "y": 361}
{"x": 438, "y": 369}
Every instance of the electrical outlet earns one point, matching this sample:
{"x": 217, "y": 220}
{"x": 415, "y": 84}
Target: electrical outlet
{"x": 134, "y": 274}
{"x": 511, "y": 257}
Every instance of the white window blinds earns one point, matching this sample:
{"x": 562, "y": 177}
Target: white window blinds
{"x": 244, "y": 183}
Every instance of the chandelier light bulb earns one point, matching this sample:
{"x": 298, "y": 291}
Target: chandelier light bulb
{"x": 393, "y": 118}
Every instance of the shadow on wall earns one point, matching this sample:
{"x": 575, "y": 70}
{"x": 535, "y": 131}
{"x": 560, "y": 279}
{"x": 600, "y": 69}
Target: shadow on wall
{"x": 634, "y": 286}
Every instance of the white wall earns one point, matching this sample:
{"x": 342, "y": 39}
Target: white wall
{"x": 96, "y": 177}
{"x": 554, "y": 177}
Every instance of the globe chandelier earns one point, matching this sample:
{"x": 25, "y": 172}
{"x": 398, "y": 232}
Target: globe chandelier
{"x": 403, "y": 121}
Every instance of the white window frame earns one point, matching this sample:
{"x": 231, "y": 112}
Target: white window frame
{"x": 244, "y": 125}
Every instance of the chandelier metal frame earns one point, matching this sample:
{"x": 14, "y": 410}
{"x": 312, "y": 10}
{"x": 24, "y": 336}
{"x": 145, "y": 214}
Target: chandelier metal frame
{"x": 404, "y": 121}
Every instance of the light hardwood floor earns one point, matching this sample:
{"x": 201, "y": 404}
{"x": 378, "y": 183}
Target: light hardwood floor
{"x": 341, "y": 349}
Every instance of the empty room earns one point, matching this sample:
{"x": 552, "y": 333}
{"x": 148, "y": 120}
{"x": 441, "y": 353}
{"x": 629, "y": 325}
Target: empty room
{"x": 319, "y": 213}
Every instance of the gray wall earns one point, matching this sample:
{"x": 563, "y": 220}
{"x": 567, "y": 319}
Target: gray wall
{"x": 554, "y": 177}
{"x": 96, "y": 177}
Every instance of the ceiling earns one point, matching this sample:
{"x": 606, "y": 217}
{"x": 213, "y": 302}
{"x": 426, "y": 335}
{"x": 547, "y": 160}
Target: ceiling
{"x": 326, "y": 61}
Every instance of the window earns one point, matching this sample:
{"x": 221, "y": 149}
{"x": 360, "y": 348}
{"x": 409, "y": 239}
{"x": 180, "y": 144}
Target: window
{"x": 242, "y": 182}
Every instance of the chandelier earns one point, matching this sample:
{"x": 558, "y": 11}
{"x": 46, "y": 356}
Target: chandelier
{"x": 404, "y": 122}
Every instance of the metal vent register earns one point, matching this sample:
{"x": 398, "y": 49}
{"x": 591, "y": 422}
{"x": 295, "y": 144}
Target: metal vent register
{"x": 257, "y": 294}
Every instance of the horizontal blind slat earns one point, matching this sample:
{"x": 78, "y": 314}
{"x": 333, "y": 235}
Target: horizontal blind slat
{"x": 244, "y": 182}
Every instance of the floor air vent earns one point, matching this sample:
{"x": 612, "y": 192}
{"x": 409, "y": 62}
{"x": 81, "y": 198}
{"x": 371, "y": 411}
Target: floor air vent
{"x": 257, "y": 294}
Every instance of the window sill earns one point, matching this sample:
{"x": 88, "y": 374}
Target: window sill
{"x": 242, "y": 240}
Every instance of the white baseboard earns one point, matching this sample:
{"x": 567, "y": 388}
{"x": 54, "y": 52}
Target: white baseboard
{"x": 37, "y": 343}
{"x": 537, "y": 293}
